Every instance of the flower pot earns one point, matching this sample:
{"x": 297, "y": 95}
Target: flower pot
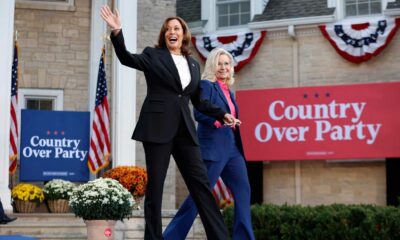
{"x": 25, "y": 206}
{"x": 58, "y": 205}
{"x": 100, "y": 229}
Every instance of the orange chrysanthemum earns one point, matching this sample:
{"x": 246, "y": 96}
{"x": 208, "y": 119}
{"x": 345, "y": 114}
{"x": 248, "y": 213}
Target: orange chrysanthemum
{"x": 132, "y": 178}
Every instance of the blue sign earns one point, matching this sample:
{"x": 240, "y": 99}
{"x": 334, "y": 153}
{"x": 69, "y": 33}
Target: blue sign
{"x": 54, "y": 144}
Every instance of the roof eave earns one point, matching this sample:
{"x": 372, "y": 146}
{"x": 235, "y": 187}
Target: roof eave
{"x": 392, "y": 12}
{"x": 291, "y": 22}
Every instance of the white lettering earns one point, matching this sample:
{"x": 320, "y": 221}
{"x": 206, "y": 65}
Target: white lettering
{"x": 290, "y": 134}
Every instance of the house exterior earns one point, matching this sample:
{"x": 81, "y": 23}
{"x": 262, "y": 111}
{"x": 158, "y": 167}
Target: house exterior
{"x": 295, "y": 53}
{"x": 60, "y": 44}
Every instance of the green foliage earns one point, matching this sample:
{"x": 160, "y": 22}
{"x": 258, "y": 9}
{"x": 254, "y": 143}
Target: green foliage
{"x": 101, "y": 199}
{"x": 333, "y": 222}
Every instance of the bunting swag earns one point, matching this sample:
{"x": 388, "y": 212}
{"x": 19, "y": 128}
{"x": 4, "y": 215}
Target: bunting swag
{"x": 360, "y": 42}
{"x": 242, "y": 46}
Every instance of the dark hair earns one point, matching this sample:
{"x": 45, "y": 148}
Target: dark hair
{"x": 186, "y": 35}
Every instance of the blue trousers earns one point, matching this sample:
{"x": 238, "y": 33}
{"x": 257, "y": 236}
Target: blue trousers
{"x": 232, "y": 169}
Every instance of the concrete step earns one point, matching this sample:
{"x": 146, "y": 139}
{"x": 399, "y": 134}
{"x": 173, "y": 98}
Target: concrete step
{"x": 53, "y": 226}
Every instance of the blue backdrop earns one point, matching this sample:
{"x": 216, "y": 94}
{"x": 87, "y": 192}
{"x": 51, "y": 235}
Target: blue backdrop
{"x": 54, "y": 144}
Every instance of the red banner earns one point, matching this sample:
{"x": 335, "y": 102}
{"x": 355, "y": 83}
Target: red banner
{"x": 326, "y": 122}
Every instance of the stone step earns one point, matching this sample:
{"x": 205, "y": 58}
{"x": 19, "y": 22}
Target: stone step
{"x": 53, "y": 226}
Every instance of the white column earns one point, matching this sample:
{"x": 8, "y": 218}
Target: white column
{"x": 98, "y": 32}
{"x": 124, "y": 91}
{"x": 97, "y": 38}
{"x": 6, "y": 43}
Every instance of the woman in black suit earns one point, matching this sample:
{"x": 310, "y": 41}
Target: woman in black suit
{"x": 165, "y": 125}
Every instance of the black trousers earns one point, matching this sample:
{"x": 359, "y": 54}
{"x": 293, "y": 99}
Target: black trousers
{"x": 188, "y": 159}
{"x": 2, "y": 213}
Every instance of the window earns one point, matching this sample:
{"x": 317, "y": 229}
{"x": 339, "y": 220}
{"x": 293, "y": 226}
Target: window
{"x": 39, "y": 104}
{"x": 232, "y": 12}
{"x": 362, "y": 7}
{"x": 40, "y": 99}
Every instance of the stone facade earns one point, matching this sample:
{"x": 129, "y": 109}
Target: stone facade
{"x": 54, "y": 51}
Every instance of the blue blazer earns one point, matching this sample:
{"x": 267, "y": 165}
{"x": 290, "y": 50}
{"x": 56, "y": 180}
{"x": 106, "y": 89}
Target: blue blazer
{"x": 214, "y": 141}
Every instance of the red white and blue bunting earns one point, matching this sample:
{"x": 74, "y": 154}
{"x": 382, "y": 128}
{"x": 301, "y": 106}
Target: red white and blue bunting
{"x": 360, "y": 42}
{"x": 242, "y": 46}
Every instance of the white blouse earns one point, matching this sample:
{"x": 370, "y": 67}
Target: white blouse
{"x": 183, "y": 69}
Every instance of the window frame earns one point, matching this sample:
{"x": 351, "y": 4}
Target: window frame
{"x": 62, "y": 5}
{"x": 340, "y": 12}
{"x": 369, "y": 2}
{"x": 209, "y": 14}
{"x": 41, "y": 94}
{"x": 228, "y": 2}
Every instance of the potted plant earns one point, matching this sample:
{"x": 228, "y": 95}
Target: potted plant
{"x": 26, "y": 197}
{"x": 101, "y": 203}
{"x": 57, "y": 193}
{"x": 133, "y": 178}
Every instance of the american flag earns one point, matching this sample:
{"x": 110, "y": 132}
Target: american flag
{"x": 222, "y": 194}
{"x": 99, "y": 151}
{"x": 13, "y": 111}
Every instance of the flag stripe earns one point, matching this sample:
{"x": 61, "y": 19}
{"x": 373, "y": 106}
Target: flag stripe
{"x": 222, "y": 193}
{"x": 13, "y": 154}
{"x": 100, "y": 149}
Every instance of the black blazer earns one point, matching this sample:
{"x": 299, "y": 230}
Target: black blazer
{"x": 166, "y": 105}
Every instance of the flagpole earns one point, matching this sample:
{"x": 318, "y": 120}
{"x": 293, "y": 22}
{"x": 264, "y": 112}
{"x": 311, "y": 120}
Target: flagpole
{"x": 12, "y": 177}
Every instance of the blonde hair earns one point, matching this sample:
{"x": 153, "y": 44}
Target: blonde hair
{"x": 212, "y": 64}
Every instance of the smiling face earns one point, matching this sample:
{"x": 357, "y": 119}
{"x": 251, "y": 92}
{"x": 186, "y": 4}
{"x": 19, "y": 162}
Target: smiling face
{"x": 174, "y": 36}
{"x": 223, "y": 68}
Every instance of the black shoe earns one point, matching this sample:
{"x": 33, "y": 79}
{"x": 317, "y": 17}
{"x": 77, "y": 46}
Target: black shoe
{"x": 7, "y": 220}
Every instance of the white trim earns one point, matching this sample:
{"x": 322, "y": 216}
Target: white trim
{"x": 35, "y": 93}
{"x": 340, "y": 9}
{"x": 98, "y": 34}
{"x": 208, "y": 10}
{"x": 205, "y": 15}
{"x": 124, "y": 91}
{"x": 331, "y": 3}
{"x": 66, "y": 5}
{"x": 392, "y": 12}
{"x": 292, "y": 21}
{"x": 209, "y": 14}
{"x": 256, "y": 7}
{"x": 7, "y": 9}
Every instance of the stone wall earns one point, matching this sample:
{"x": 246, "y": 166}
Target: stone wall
{"x": 54, "y": 51}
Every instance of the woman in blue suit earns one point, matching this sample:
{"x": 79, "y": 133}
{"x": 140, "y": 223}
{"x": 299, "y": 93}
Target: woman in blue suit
{"x": 221, "y": 150}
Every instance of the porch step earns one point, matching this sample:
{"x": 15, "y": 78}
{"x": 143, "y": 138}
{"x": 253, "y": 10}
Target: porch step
{"x": 53, "y": 226}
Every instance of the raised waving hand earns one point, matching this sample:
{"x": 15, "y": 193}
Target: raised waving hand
{"x": 112, "y": 19}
